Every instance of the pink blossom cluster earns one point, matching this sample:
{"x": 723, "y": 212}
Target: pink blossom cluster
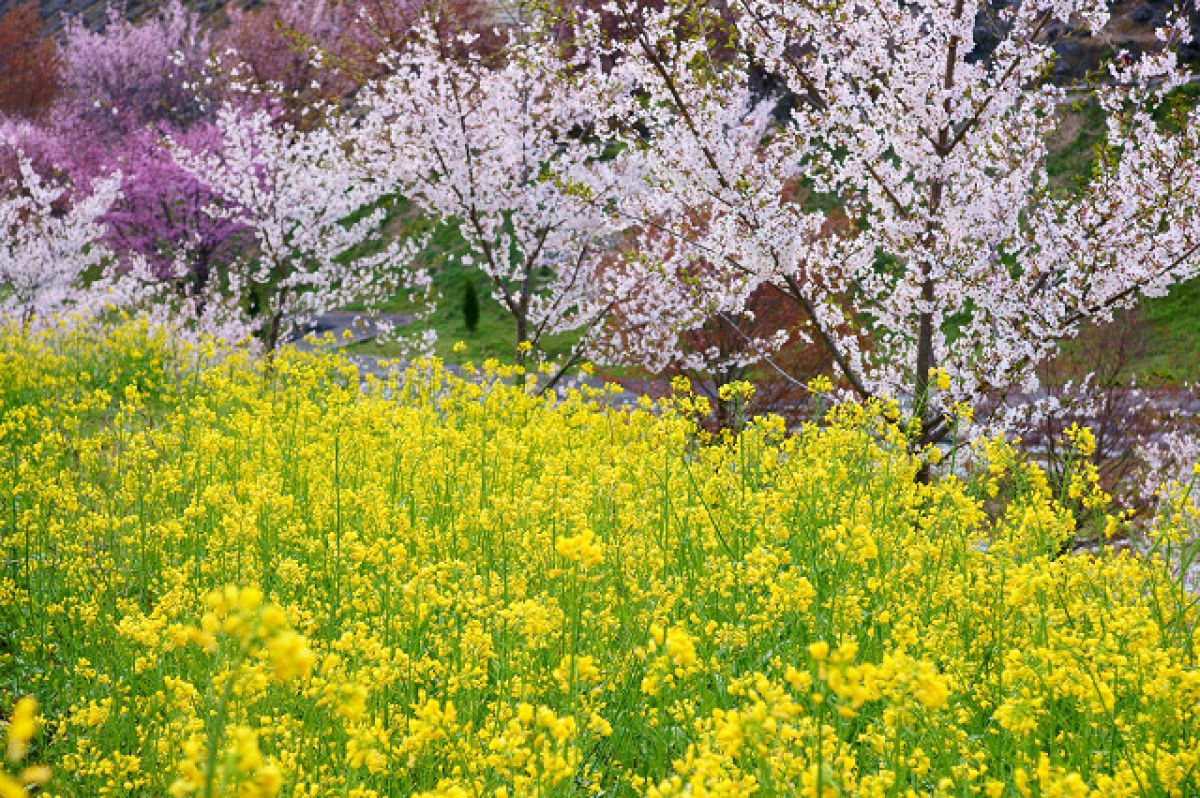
{"x": 167, "y": 173}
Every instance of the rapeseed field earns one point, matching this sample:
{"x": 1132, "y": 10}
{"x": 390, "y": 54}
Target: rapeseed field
{"x": 221, "y": 576}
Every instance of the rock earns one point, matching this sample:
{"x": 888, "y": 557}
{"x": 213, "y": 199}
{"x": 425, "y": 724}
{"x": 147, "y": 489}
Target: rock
{"x": 1146, "y": 14}
{"x": 1057, "y": 31}
{"x": 1068, "y": 49}
{"x": 986, "y": 38}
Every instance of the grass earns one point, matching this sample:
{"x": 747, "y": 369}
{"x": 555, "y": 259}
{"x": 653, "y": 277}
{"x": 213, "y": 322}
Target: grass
{"x": 1173, "y": 338}
{"x": 1069, "y": 163}
{"x": 494, "y": 337}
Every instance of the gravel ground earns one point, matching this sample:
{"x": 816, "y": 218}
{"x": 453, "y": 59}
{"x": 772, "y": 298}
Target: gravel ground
{"x": 359, "y": 327}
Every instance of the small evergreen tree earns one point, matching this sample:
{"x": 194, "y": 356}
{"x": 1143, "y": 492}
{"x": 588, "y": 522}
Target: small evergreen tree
{"x": 470, "y": 305}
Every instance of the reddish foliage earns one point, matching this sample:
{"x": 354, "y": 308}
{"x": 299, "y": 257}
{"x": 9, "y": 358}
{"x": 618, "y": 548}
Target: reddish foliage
{"x": 29, "y": 63}
{"x": 767, "y": 344}
{"x": 777, "y": 379}
{"x": 323, "y": 51}
{"x": 744, "y": 346}
{"x": 387, "y": 22}
{"x": 624, "y": 19}
{"x": 276, "y": 43}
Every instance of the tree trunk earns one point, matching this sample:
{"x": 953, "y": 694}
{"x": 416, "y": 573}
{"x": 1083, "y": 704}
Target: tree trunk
{"x": 925, "y": 361}
{"x": 522, "y": 337}
{"x": 923, "y": 381}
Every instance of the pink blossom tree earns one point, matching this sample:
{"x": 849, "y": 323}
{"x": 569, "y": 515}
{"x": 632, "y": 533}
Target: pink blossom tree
{"x": 956, "y": 254}
{"x": 315, "y": 227}
{"x": 126, "y": 88}
{"x": 307, "y": 52}
{"x": 303, "y": 53}
{"x": 131, "y": 74}
{"x": 498, "y": 147}
{"x": 164, "y": 213}
{"x": 28, "y": 140}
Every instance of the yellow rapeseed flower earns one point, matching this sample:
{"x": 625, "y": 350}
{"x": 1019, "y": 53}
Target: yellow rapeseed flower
{"x": 284, "y": 578}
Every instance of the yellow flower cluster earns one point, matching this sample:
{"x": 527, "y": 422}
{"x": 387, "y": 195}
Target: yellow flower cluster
{"x": 940, "y": 379}
{"x": 581, "y": 549}
{"x": 229, "y": 578}
{"x": 736, "y": 390}
{"x": 22, "y": 725}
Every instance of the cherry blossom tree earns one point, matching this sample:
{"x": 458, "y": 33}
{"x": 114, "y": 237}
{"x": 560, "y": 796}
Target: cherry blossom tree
{"x": 51, "y": 251}
{"x": 955, "y": 253}
{"x": 315, "y": 226}
{"x": 498, "y": 147}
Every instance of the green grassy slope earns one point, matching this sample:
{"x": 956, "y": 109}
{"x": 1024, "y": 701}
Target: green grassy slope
{"x": 1172, "y": 322}
{"x": 1170, "y": 325}
{"x": 495, "y": 335}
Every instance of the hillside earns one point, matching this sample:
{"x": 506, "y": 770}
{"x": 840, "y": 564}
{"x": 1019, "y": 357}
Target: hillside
{"x": 94, "y": 11}
{"x": 1132, "y": 27}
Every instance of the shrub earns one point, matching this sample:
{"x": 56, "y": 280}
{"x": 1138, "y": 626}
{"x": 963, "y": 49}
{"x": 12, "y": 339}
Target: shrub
{"x": 470, "y": 305}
